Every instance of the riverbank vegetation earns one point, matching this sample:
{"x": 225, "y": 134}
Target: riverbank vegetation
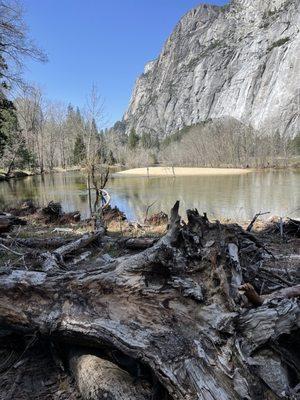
{"x": 55, "y": 136}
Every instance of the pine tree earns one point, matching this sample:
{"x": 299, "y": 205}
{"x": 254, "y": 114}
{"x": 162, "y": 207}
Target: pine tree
{"x": 110, "y": 158}
{"x": 79, "y": 150}
{"x": 146, "y": 140}
{"x": 133, "y": 139}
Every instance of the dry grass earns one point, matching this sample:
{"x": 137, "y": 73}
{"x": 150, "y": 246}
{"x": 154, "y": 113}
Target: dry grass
{"x": 183, "y": 171}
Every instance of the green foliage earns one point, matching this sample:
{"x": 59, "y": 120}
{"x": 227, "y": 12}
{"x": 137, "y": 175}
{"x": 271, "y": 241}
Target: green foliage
{"x": 225, "y": 8}
{"x": 25, "y": 158}
{"x": 149, "y": 141}
{"x": 279, "y": 43}
{"x": 177, "y": 136}
{"x": 295, "y": 144}
{"x": 79, "y": 152}
{"x": 153, "y": 158}
{"x": 110, "y": 158}
{"x": 133, "y": 139}
{"x": 13, "y": 150}
{"x": 94, "y": 127}
{"x": 8, "y": 122}
{"x": 215, "y": 44}
{"x": 146, "y": 140}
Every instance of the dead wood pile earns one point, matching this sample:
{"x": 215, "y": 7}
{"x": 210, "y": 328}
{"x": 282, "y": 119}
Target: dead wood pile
{"x": 202, "y": 313}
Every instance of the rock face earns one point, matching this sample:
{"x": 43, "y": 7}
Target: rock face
{"x": 240, "y": 60}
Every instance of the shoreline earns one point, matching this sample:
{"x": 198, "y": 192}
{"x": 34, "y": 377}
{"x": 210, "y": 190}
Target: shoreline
{"x": 153, "y": 171}
{"x": 183, "y": 171}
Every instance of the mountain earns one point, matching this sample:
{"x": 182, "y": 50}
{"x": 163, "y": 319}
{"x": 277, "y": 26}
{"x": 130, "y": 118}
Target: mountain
{"x": 241, "y": 60}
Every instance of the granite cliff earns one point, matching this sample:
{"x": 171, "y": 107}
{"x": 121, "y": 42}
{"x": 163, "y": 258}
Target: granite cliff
{"x": 241, "y": 60}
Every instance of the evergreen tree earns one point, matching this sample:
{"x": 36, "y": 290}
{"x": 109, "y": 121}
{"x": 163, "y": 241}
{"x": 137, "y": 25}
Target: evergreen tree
{"x": 7, "y": 121}
{"x": 94, "y": 128}
{"x": 133, "y": 139}
{"x": 79, "y": 150}
{"x": 110, "y": 158}
{"x": 146, "y": 140}
{"x": 295, "y": 144}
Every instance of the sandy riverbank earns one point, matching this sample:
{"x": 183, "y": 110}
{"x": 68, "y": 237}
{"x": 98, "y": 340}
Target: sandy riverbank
{"x": 183, "y": 171}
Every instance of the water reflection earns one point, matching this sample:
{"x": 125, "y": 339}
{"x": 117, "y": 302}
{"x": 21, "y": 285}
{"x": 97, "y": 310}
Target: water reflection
{"x": 232, "y": 196}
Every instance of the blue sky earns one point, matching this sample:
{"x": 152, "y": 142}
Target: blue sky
{"x": 105, "y": 42}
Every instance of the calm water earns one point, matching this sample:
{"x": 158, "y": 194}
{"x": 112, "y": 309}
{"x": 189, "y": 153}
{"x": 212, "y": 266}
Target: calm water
{"x": 232, "y": 196}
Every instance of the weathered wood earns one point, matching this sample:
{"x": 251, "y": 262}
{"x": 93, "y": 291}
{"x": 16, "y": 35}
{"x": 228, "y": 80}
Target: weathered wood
{"x": 257, "y": 300}
{"x": 173, "y": 307}
{"x": 8, "y": 221}
{"x": 98, "y": 378}
{"x": 138, "y": 243}
{"x": 250, "y": 226}
{"x": 55, "y": 259}
{"x": 37, "y": 243}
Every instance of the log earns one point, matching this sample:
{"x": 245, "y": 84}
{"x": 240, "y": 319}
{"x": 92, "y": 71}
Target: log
{"x": 8, "y": 221}
{"x": 56, "y": 258}
{"x": 173, "y": 309}
{"x": 98, "y": 378}
{"x": 37, "y": 243}
{"x": 138, "y": 243}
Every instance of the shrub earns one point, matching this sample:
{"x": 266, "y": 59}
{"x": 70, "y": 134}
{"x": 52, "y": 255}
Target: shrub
{"x": 279, "y": 43}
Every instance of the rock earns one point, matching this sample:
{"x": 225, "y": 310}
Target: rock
{"x": 232, "y": 61}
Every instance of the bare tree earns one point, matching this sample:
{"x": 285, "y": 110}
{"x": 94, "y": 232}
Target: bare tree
{"x": 15, "y": 44}
{"x": 97, "y": 169}
{"x": 30, "y": 111}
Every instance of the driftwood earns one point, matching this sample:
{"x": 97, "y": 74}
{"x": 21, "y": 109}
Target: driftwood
{"x": 53, "y": 213}
{"x": 112, "y": 214}
{"x": 56, "y": 258}
{"x": 38, "y": 243}
{"x": 138, "y": 243}
{"x": 168, "y": 322}
{"x": 292, "y": 227}
{"x": 288, "y": 227}
{"x": 8, "y": 221}
{"x": 250, "y": 226}
{"x": 25, "y": 208}
{"x": 98, "y": 378}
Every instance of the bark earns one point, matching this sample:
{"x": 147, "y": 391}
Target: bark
{"x": 173, "y": 310}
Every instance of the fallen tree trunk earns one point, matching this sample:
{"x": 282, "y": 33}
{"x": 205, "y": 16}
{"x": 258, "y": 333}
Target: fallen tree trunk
{"x": 173, "y": 311}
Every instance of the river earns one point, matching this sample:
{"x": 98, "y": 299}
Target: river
{"x": 237, "y": 197}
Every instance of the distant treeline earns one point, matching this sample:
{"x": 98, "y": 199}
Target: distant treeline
{"x": 36, "y": 134}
